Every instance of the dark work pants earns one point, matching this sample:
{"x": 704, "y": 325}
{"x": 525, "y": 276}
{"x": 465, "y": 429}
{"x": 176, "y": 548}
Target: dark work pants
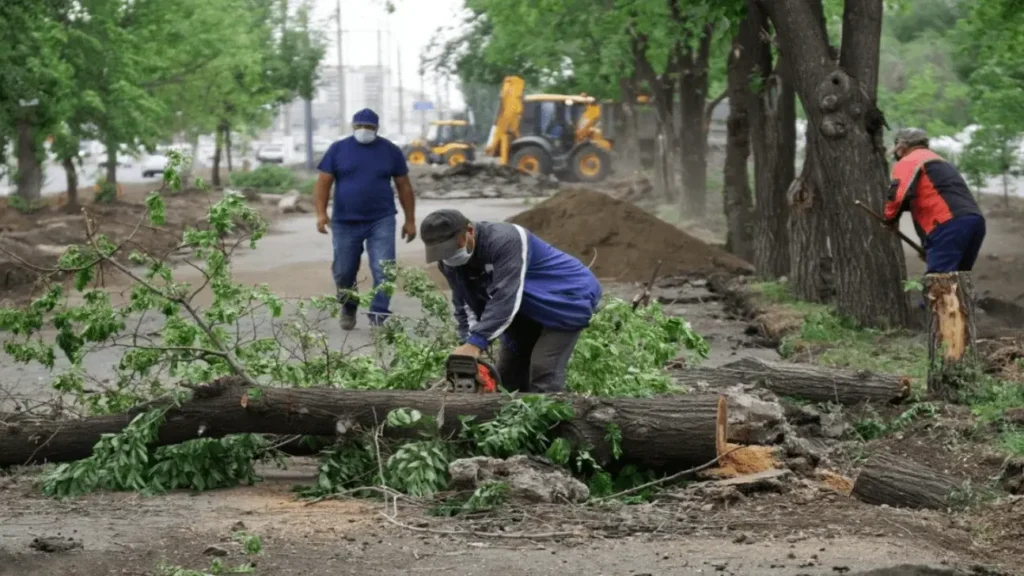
{"x": 953, "y": 246}
{"x": 533, "y": 358}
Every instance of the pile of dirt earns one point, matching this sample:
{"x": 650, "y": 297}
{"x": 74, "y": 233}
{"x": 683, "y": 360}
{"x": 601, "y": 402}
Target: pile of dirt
{"x": 624, "y": 242}
{"x": 31, "y": 243}
{"x": 473, "y": 180}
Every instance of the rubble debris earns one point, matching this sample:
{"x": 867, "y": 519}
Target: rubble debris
{"x": 528, "y": 479}
{"x": 624, "y": 242}
{"x": 901, "y": 483}
{"x": 911, "y": 570}
{"x": 52, "y": 544}
{"x": 754, "y": 421}
{"x": 482, "y": 180}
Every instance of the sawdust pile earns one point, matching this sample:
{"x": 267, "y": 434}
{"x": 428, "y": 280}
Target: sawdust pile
{"x": 628, "y": 241}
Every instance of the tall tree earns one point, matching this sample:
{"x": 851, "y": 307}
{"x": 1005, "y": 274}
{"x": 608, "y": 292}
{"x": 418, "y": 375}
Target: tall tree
{"x": 738, "y": 196}
{"x": 839, "y": 98}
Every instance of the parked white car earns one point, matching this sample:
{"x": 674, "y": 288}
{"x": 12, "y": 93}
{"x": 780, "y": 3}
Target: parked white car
{"x": 154, "y": 164}
{"x": 271, "y": 154}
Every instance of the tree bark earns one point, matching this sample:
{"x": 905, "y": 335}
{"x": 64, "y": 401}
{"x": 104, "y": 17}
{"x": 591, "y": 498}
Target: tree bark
{"x": 901, "y": 483}
{"x": 773, "y": 140}
{"x": 840, "y": 103}
{"x": 111, "y": 177}
{"x": 630, "y": 140}
{"x": 227, "y": 146}
{"x": 669, "y": 432}
{"x": 805, "y": 381}
{"x": 72, "y": 178}
{"x": 738, "y": 198}
{"x": 810, "y": 262}
{"x": 30, "y": 167}
{"x": 952, "y": 354}
{"x": 217, "y": 151}
{"x": 693, "y": 144}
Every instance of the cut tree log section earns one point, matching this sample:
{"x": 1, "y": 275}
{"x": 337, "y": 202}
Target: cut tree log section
{"x": 812, "y": 383}
{"x": 952, "y": 332}
{"x": 900, "y": 483}
{"x": 662, "y": 433}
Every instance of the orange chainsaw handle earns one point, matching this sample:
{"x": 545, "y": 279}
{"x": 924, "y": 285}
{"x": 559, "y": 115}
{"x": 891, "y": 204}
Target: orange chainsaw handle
{"x": 488, "y": 376}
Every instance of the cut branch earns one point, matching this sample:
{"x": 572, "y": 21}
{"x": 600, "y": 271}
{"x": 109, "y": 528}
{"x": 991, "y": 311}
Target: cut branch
{"x": 665, "y": 433}
{"x": 952, "y": 330}
{"x": 901, "y": 483}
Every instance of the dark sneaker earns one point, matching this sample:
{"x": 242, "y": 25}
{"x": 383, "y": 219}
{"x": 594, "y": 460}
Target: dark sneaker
{"x": 348, "y": 321}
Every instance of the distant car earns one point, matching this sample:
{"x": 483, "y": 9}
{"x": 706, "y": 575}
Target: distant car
{"x": 271, "y": 154}
{"x": 154, "y": 164}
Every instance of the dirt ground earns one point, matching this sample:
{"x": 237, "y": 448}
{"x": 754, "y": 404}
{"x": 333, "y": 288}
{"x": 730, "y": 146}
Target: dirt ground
{"x": 804, "y": 528}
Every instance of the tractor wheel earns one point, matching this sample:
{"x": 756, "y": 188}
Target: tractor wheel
{"x": 532, "y": 160}
{"x": 419, "y": 156}
{"x": 590, "y": 164}
{"x": 455, "y": 157}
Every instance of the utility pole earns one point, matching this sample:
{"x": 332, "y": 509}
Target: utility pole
{"x": 309, "y": 134}
{"x": 380, "y": 74}
{"x": 401, "y": 94}
{"x": 342, "y": 119}
{"x": 437, "y": 95}
{"x": 423, "y": 111}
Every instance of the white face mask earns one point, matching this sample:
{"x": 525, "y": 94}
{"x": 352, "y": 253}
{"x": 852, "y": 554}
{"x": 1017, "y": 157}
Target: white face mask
{"x": 460, "y": 258}
{"x": 365, "y": 135}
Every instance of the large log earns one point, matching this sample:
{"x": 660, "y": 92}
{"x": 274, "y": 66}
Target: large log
{"x": 952, "y": 332}
{"x": 900, "y": 483}
{"x": 812, "y": 383}
{"x": 664, "y": 433}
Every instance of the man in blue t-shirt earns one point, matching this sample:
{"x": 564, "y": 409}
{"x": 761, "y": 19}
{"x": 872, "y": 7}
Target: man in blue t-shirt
{"x": 361, "y": 168}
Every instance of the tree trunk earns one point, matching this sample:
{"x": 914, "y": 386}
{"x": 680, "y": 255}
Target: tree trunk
{"x": 693, "y": 144}
{"x": 901, "y": 483}
{"x": 840, "y": 102}
{"x": 664, "y": 433}
{"x": 72, "y": 179}
{"x": 217, "y": 151}
{"x": 665, "y": 162}
{"x": 227, "y": 146}
{"x": 111, "y": 170}
{"x": 952, "y": 354}
{"x": 773, "y": 140}
{"x": 738, "y": 199}
{"x": 630, "y": 149}
{"x": 811, "y": 383}
{"x": 810, "y": 262}
{"x": 30, "y": 167}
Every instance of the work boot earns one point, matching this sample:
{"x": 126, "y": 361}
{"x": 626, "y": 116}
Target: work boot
{"x": 348, "y": 320}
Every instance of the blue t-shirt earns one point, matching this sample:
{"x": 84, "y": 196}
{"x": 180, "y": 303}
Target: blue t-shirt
{"x": 362, "y": 178}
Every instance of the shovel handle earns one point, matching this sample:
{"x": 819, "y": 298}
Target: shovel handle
{"x": 902, "y": 236}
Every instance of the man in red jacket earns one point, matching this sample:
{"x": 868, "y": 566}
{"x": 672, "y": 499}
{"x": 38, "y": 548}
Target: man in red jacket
{"x": 946, "y": 216}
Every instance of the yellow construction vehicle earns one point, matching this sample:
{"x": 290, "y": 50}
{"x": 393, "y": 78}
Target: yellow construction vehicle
{"x": 446, "y": 143}
{"x": 549, "y": 134}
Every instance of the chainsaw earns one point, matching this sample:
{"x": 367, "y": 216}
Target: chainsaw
{"x": 472, "y": 375}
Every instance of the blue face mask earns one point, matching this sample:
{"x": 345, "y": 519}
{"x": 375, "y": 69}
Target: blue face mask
{"x": 460, "y": 258}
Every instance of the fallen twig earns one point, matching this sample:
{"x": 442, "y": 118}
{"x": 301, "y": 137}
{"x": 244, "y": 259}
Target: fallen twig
{"x": 666, "y": 479}
{"x": 515, "y": 535}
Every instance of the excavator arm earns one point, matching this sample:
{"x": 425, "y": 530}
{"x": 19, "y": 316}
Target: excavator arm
{"x": 506, "y": 123}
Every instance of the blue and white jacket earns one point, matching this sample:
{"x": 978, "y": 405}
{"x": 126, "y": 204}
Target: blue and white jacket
{"x": 512, "y": 272}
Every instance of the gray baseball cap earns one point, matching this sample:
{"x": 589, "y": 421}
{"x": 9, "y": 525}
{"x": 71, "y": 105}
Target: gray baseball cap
{"x": 440, "y": 232}
{"x": 910, "y": 137}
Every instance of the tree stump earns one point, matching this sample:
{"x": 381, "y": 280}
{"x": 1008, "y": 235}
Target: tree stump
{"x": 901, "y": 483}
{"x": 952, "y": 332}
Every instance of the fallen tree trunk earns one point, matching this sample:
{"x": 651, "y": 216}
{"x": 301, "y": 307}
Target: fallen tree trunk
{"x": 660, "y": 433}
{"x": 900, "y": 483}
{"x": 952, "y": 330}
{"x": 812, "y": 383}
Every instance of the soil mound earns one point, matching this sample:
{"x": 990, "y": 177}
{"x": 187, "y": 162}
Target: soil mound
{"x": 627, "y": 241}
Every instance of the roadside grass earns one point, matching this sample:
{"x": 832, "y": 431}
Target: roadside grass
{"x": 826, "y": 338}
{"x": 271, "y": 179}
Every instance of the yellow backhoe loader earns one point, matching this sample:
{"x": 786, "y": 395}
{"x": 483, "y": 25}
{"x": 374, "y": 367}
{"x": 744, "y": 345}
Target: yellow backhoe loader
{"x": 446, "y": 143}
{"x": 549, "y": 134}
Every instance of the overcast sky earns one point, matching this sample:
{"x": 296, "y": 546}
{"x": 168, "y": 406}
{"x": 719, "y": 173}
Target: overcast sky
{"x": 411, "y": 26}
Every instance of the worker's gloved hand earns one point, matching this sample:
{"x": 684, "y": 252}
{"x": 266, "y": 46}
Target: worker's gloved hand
{"x": 467, "y": 350}
{"x": 893, "y": 224}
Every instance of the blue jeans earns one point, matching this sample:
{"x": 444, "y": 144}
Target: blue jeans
{"x": 348, "y": 239}
{"x": 953, "y": 246}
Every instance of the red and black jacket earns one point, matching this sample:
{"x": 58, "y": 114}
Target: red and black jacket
{"x": 931, "y": 188}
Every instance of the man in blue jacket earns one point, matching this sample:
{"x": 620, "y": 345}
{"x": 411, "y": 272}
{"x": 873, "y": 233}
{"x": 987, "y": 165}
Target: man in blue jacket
{"x": 361, "y": 168}
{"x": 508, "y": 283}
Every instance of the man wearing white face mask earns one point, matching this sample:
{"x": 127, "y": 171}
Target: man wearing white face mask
{"x": 361, "y": 168}
{"x": 507, "y": 283}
